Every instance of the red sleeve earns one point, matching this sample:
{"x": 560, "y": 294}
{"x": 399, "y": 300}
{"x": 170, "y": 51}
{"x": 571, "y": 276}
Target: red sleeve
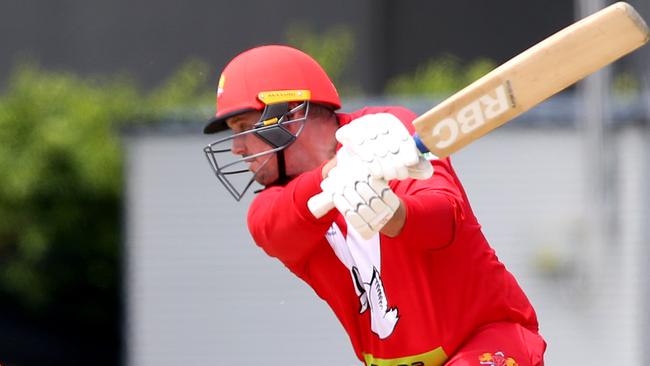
{"x": 281, "y": 223}
{"x": 434, "y": 207}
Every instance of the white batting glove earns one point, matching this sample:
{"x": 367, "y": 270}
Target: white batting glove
{"x": 385, "y": 146}
{"x": 366, "y": 202}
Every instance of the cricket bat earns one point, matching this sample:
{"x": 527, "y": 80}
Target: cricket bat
{"x": 523, "y": 82}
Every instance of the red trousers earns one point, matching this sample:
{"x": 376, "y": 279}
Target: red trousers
{"x": 501, "y": 344}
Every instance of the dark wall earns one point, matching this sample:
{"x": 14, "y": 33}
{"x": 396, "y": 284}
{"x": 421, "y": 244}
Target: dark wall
{"x": 468, "y": 28}
{"x": 150, "y": 38}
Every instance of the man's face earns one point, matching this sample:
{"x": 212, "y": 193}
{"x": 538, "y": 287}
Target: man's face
{"x": 249, "y": 144}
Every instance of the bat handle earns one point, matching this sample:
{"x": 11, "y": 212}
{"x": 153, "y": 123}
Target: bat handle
{"x": 320, "y": 204}
{"x": 419, "y": 144}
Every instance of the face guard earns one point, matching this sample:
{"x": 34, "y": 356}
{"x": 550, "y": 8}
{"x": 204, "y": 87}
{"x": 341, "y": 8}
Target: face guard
{"x": 233, "y": 171}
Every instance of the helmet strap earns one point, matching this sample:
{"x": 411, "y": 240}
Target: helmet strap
{"x": 283, "y": 178}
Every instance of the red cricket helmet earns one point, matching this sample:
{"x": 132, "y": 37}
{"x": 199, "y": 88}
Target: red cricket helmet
{"x": 269, "y": 74}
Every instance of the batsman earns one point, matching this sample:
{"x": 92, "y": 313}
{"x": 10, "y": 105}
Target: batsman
{"x": 400, "y": 259}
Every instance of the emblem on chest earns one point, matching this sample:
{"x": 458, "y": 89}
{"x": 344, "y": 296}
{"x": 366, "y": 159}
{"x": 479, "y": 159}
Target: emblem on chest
{"x": 363, "y": 260}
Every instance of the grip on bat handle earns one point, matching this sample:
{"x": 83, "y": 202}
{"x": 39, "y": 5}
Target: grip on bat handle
{"x": 419, "y": 144}
{"x": 320, "y": 204}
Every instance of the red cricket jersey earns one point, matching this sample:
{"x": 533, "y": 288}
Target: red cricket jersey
{"x": 412, "y": 299}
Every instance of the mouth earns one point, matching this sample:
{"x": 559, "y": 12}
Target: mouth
{"x": 248, "y": 160}
{"x": 252, "y": 165}
{"x": 255, "y": 163}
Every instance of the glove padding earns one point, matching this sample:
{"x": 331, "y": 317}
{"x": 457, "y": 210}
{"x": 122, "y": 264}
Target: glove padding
{"x": 385, "y": 146}
{"x": 366, "y": 202}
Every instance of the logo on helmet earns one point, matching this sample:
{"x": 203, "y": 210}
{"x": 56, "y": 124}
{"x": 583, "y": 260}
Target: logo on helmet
{"x": 222, "y": 81}
{"x": 279, "y": 96}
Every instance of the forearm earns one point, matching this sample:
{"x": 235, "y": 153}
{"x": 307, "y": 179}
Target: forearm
{"x": 394, "y": 226}
{"x": 436, "y": 204}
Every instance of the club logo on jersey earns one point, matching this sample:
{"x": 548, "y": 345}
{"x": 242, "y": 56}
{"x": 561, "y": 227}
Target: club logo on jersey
{"x": 372, "y": 295}
{"x": 474, "y": 115}
{"x": 496, "y": 359}
{"x": 363, "y": 259}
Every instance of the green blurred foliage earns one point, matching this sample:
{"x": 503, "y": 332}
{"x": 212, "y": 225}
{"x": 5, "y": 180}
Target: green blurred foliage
{"x": 625, "y": 85}
{"x": 333, "y": 49}
{"x": 439, "y": 77}
{"x": 61, "y": 187}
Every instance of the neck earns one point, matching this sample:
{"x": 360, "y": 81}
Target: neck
{"x": 326, "y": 149}
{"x": 316, "y": 144}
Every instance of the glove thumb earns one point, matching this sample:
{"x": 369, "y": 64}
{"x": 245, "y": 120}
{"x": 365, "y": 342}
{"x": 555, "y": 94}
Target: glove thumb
{"x": 422, "y": 170}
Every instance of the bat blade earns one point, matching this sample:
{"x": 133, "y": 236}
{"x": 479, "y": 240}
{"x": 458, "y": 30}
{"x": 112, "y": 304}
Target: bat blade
{"x": 523, "y": 82}
{"x": 531, "y": 77}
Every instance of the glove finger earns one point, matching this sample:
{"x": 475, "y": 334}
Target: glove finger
{"x": 356, "y": 133}
{"x": 409, "y": 155}
{"x": 320, "y": 204}
{"x": 396, "y": 168}
{"x": 422, "y": 170}
{"x": 366, "y": 192}
{"x": 380, "y": 149}
{"x": 363, "y": 152}
{"x": 342, "y": 204}
{"x": 353, "y": 163}
{"x": 345, "y": 135}
{"x": 326, "y": 185}
{"x": 375, "y": 169}
{"x": 378, "y": 185}
{"x": 343, "y": 156}
{"x": 378, "y": 205}
{"x": 382, "y": 143}
{"x": 366, "y": 213}
{"x": 332, "y": 182}
{"x": 390, "y": 198}
{"x": 343, "y": 175}
{"x": 356, "y": 221}
{"x": 402, "y": 172}
{"x": 354, "y": 199}
{"x": 358, "y": 199}
{"x": 379, "y": 221}
{"x": 374, "y": 211}
{"x": 388, "y": 169}
{"x": 365, "y": 231}
{"x": 368, "y": 158}
{"x": 396, "y": 164}
{"x": 386, "y": 195}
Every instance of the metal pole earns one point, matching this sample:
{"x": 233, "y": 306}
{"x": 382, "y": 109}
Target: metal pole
{"x": 644, "y": 256}
{"x": 641, "y": 63}
{"x": 593, "y": 116}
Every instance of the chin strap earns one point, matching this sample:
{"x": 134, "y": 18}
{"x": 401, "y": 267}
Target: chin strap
{"x": 283, "y": 178}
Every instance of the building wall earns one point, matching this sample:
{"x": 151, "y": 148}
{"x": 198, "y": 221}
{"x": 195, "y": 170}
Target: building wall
{"x": 149, "y": 39}
{"x": 200, "y": 291}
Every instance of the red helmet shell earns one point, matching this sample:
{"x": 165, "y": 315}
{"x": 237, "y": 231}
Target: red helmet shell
{"x": 267, "y": 69}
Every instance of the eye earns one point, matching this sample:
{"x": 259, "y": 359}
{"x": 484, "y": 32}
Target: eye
{"x": 239, "y": 126}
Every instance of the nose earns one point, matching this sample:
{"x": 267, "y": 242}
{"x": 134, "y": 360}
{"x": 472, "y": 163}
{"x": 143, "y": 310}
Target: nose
{"x": 238, "y": 146}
